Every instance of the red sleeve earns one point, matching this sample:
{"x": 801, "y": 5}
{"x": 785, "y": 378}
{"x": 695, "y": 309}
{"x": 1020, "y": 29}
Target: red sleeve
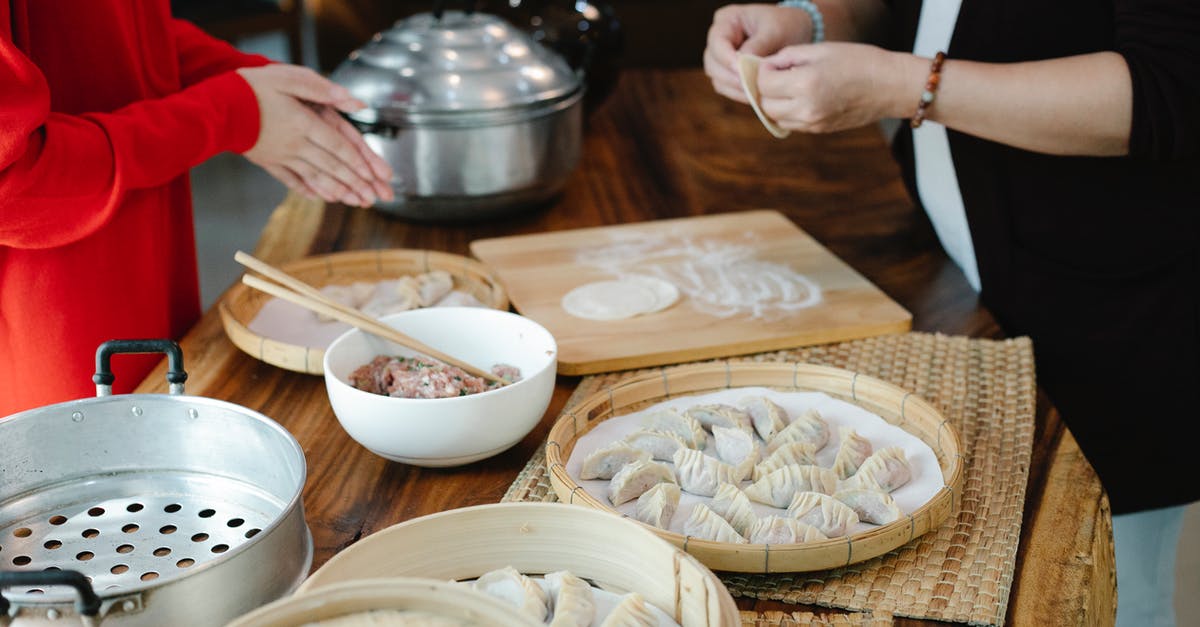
{"x": 203, "y": 56}
{"x": 62, "y": 176}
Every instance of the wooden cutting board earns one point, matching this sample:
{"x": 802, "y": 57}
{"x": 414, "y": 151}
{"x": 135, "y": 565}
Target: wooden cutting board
{"x": 742, "y": 277}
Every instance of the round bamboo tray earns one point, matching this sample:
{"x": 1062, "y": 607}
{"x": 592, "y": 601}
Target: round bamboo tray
{"x": 536, "y": 538}
{"x": 242, "y": 303}
{"x": 411, "y": 594}
{"x": 893, "y": 404}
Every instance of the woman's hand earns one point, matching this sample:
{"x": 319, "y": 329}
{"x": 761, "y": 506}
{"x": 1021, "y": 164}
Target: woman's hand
{"x": 758, "y": 29}
{"x": 306, "y": 144}
{"x": 832, "y": 86}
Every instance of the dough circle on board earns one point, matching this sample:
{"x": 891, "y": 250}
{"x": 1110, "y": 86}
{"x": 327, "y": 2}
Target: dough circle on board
{"x": 748, "y": 72}
{"x": 618, "y": 299}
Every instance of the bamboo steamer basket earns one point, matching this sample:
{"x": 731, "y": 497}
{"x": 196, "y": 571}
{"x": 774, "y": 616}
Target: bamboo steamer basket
{"x": 443, "y": 599}
{"x": 241, "y": 304}
{"x": 895, "y": 405}
{"x": 615, "y": 554}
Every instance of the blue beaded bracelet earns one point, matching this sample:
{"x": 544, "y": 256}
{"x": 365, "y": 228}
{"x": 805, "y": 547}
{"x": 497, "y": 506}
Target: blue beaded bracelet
{"x": 818, "y": 21}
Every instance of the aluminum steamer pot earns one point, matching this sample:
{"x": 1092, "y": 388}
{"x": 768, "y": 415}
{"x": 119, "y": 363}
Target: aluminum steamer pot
{"x": 147, "y": 509}
{"x": 475, "y": 118}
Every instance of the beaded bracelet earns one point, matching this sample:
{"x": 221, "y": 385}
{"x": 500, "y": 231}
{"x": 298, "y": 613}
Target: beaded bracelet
{"x": 931, "y": 85}
{"x": 814, "y": 12}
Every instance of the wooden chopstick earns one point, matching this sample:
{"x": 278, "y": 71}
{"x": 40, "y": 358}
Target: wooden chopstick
{"x": 300, "y": 293}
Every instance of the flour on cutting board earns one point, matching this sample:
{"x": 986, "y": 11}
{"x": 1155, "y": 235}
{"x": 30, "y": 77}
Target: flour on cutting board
{"x": 719, "y": 278}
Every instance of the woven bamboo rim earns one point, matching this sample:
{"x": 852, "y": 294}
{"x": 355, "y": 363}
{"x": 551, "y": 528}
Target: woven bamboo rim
{"x": 895, "y": 405}
{"x": 535, "y": 538}
{"x": 241, "y": 304}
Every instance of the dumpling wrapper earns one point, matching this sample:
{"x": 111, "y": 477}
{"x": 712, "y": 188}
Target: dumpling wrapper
{"x": 748, "y": 72}
{"x": 619, "y": 299}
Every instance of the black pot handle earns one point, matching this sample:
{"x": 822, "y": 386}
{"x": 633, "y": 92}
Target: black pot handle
{"x": 104, "y": 376}
{"x": 88, "y": 604}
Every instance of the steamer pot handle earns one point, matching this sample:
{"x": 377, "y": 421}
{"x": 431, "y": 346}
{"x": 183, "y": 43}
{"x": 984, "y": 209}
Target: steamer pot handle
{"x": 104, "y": 376}
{"x": 88, "y": 604}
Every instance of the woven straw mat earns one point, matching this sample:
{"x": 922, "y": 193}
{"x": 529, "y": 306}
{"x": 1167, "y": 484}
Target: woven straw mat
{"x": 961, "y": 572}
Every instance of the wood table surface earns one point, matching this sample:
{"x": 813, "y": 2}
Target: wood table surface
{"x": 664, "y": 145}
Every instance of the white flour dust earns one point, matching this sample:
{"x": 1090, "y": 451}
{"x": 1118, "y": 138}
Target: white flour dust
{"x": 720, "y": 278}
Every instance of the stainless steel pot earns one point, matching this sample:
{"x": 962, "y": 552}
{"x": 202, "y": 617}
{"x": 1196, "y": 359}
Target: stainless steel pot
{"x": 147, "y": 509}
{"x": 475, "y": 117}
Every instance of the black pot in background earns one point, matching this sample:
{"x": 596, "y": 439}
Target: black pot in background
{"x": 586, "y": 33}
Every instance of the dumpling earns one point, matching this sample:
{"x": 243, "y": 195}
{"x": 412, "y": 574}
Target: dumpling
{"x": 572, "y": 600}
{"x": 707, "y": 525}
{"x": 511, "y": 586}
{"x": 782, "y": 530}
{"x": 432, "y": 286}
{"x": 700, "y": 474}
{"x": 393, "y": 296}
{"x": 719, "y": 415}
{"x": 634, "y": 478}
{"x": 852, "y": 452}
{"x": 660, "y": 444}
{"x": 798, "y": 453}
{"x": 871, "y": 506}
{"x": 604, "y": 462}
{"x": 631, "y": 611}
{"x": 657, "y": 505}
{"x": 767, "y": 417}
{"x": 354, "y": 295}
{"x": 886, "y": 469}
{"x": 779, "y": 487}
{"x": 733, "y": 505}
{"x": 737, "y": 448}
{"x": 831, "y": 516}
{"x": 686, "y": 427}
{"x": 807, "y": 427}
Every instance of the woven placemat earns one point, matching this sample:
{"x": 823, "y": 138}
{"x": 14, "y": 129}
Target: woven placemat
{"x": 961, "y": 572}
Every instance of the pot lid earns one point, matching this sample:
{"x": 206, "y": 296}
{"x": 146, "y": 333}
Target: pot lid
{"x": 459, "y": 62}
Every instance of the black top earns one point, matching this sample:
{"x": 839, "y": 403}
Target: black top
{"x": 1096, "y": 259}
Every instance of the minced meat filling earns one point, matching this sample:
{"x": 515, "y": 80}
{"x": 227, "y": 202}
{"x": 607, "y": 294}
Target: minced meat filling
{"x": 422, "y": 377}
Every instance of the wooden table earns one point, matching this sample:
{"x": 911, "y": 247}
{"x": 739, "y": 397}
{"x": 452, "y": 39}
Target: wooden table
{"x": 665, "y": 146}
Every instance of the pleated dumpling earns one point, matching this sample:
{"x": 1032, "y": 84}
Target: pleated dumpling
{"x": 657, "y": 505}
{"x": 779, "y": 487}
{"x": 831, "y": 516}
{"x": 852, "y": 452}
{"x": 733, "y": 505}
{"x": 700, "y": 474}
{"x": 687, "y": 428}
{"x": 792, "y": 453}
{"x": 767, "y": 417}
{"x": 631, "y": 611}
{"x": 572, "y": 601}
{"x": 807, "y": 427}
{"x": 705, "y": 524}
{"x": 660, "y": 444}
{"x": 719, "y": 415}
{"x": 635, "y": 478}
{"x": 886, "y": 470}
{"x": 782, "y": 530}
{"x": 604, "y": 462}
{"x": 871, "y": 506}
{"x": 507, "y": 584}
{"x": 737, "y": 448}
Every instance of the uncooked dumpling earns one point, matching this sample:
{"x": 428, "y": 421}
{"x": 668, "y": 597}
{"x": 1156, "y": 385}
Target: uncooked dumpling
{"x": 635, "y": 478}
{"x": 700, "y": 474}
{"x": 737, "y": 448}
{"x": 687, "y": 428}
{"x": 734, "y": 506}
{"x": 852, "y": 452}
{"x": 705, "y": 524}
{"x": 572, "y": 600}
{"x": 656, "y": 506}
{"x": 833, "y": 517}
{"x": 767, "y": 417}
{"x": 507, "y": 584}
{"x": 792, "y": 453}
{"x": 779, "y": 487}
{"x": 886, "y": 469}
{"x": 631, "y": 611}
{"x": 782, "y": 530}
{"x": 807, "y": 427}
{"x": 604, "y": 462}
{"x": 719, "y": 415}
{"x": 660, "y": 444}
{"x": 871, "y": 506}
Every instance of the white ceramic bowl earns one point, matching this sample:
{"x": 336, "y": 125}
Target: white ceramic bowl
{"x": 446, "y": 431}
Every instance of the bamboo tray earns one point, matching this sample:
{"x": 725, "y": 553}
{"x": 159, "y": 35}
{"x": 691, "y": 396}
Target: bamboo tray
{"x": 893, "y": 404}
{"x": 616, "y": 555}
{"x": 241, "y": 304}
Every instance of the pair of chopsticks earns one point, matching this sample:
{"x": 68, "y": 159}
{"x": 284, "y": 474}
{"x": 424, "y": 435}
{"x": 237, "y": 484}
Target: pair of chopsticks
{"x": 293, "y": 290}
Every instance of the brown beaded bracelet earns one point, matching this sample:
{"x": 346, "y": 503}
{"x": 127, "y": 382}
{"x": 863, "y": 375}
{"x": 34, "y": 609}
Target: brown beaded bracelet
{"x": 931, "y": 85}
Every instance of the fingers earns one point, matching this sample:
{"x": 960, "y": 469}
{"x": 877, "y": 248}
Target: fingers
{"x": 725, "y": 80}
{"x": 380, "y": 172}
{"x": 338, "y": 154}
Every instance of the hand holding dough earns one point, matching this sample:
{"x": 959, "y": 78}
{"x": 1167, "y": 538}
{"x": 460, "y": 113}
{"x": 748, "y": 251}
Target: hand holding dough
{"x": 748, "y": 72}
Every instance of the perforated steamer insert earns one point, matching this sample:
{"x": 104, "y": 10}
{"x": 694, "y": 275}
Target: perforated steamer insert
{"x": 155, "y": 499}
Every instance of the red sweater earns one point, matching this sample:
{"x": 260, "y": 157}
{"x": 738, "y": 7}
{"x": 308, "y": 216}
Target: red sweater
{"x": 104, "y": 106}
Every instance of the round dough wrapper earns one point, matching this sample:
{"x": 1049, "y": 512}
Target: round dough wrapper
{"x": 748, "y": 72}
{"x": 620, "y": 298}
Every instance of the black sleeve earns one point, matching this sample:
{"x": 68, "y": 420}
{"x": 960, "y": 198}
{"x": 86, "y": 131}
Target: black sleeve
{"x": 1160, "y": 41}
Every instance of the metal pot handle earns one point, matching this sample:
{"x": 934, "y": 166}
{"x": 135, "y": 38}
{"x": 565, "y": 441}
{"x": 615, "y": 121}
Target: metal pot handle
{"x": 104, "y": 376}
{"x": 88, "y": 604}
